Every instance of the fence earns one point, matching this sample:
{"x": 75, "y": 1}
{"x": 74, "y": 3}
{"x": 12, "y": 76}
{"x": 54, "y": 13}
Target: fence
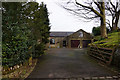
{"x": 103, "y": 54}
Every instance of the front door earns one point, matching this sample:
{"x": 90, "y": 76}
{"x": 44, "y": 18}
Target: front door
{"x": 64, "y": 43}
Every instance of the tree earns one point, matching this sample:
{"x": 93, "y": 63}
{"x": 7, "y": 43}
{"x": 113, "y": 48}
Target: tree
{"x": 113, "y": 10}
{"x": 37, "y": 17}
{"x": 40, "y": 21}
{"x": 96, "y": 31}
{"x": 44, "y": 23}
{"x": 90, "y": 10}
{"x": 23, "y": 24}
{"x": 15, "y": 35}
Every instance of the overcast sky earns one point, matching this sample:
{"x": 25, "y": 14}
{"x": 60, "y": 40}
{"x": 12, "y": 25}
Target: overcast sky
{"x": 62, "y": 20}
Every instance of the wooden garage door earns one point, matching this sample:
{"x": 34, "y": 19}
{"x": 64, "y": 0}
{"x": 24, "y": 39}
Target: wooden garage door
{"x": 85, "y": 43}
{"x": 75, "y": 43}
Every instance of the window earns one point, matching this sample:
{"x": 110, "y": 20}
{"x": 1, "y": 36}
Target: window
{"x": 80, "y": 34}
{"x": 52, "y": 41}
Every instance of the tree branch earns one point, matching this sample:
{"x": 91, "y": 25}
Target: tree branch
{"x": 98, "y": 6}
{"x": 96, "y": 12}
{"x": 112, "y": 4}
{"x": 109, "y": 24}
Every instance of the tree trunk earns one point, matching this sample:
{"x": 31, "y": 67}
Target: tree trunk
{"x": 113, "y": 17}
{"x": 103, "y": 21}
{"x": 103, "y": 28}
{"x": 115, "y": 27}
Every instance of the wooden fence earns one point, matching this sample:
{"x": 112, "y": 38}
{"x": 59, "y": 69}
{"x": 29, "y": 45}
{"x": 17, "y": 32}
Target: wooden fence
{"x": 103, "y": 54}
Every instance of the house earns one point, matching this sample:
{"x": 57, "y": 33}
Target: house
{"x": 56, "y": 39}
{"x": 79, "y": 39}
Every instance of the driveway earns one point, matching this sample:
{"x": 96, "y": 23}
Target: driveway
{"x": 67, "y": 63}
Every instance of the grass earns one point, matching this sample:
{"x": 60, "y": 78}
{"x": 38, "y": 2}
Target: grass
{"x": 111, "y": 41}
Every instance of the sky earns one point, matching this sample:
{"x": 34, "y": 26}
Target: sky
{"x": 62, "y": 20}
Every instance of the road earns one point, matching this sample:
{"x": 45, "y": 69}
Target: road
{"x": 67, "y": 63}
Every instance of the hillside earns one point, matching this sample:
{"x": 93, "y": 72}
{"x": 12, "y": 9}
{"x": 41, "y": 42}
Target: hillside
{"x": 110, "y": 42}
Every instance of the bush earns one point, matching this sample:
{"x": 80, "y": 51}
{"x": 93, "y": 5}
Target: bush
{"x": 15, "y": 47}
{"x": 39, "y": 50}
{"x": 116, "y": 58}
{"x": 23, "y": 24}
{"x": 96, "y": 31}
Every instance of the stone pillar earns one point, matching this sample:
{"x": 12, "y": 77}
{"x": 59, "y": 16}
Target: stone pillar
{"x": 69, "y": 43}
{"x": 81, "y": 45}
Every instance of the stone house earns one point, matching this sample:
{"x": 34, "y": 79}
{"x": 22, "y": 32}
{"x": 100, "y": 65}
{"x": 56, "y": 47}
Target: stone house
{"x": 79, "y": 39}
{"x": 56, "y": 39}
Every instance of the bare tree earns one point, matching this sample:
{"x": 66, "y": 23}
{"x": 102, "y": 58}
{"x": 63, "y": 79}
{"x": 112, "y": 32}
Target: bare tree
{"x": 112, "y": 8}
{"x": 90, "y": 10}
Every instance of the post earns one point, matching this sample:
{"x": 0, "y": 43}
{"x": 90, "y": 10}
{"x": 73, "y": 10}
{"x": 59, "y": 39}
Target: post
{"x": 81, "y": 44}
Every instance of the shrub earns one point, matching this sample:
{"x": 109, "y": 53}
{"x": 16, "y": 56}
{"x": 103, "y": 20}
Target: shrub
{"x": 96, "y": 31}
{"x": 39, "y": 50}
{"x": 116, "y": 58}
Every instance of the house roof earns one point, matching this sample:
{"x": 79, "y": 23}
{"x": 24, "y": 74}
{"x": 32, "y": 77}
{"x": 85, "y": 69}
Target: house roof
{"x": 82, "y": 31}
{"x": 60, "y": 34}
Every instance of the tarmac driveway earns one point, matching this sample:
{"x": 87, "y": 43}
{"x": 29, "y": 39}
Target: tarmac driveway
{"x": 67, "y": 63}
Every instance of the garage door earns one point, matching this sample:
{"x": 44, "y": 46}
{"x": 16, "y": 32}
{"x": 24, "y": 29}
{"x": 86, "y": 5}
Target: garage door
{"x": 85, "y": 43}
{"x": 75, "y": 43}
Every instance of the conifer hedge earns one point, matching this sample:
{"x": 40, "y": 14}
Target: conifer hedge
{"x": 23, "y": 24}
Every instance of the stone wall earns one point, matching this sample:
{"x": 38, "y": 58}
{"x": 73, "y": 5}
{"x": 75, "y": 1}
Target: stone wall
{"x": 76, "y": 36}
{"x": 58, "y": 42}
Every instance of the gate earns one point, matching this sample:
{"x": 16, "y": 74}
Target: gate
{"x": 103, "y": 54}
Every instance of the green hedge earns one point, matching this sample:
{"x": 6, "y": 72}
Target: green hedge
{"x": 23, "y": 25}
{"x": 15, "y": 47}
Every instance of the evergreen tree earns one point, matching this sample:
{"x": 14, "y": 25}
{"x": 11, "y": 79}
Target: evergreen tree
{"x": 44, "y": 20}
{"x": 15, "y": 35}
{"x": 41, "y": 24}
{"x": 23, "y": 24}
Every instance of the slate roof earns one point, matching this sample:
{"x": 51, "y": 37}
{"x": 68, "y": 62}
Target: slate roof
{"x": 60, "y": 34}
